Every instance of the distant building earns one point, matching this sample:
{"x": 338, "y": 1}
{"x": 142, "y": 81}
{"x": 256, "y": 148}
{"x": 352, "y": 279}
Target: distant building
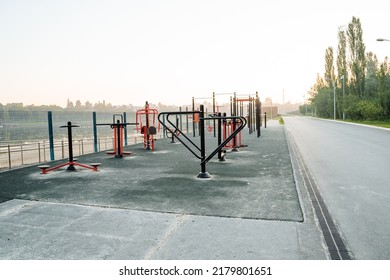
{"x": 272, "y": 111}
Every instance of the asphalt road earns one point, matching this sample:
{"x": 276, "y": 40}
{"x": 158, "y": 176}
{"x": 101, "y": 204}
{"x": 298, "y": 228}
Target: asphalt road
{"x": 351, "y": 166}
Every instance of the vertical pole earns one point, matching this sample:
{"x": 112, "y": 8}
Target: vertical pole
{"x": 258, "y": 115}
{"x": 334, "y": 100}
{"x": 21, "y": 151}
{"x": 225, "y": 128}
{"x": 44, "y": 151}
{"x": 9, "y": 157}
{"x": 95, "y": 144}
{"x": 231, "y": 106}
{"x": 250, "y": 115}
{"x": 51, "y": 138}
{"x": 220, "y": 157}
{"x": 187, "y": 120}
{"x": 164, "y": 129}
{"x": 147, "y": 126}
{"x": 193, "y": 117}
{"x": 125, "y": 128}
{"x": 265, "y": 119}
{"x": 118, "y": 139}
{"x": 234, "y": 105}
{"x": 39, "y": 153}
{"x": 214, "y": 113}
{"x": 70, "y": 145}
{"x": 253, "y": 114}
{"x": 203, "y": 173}
{"x": 181, "y": 120}
{"x": 234, "y": 123}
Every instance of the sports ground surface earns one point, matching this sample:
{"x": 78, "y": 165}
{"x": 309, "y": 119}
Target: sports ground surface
{"x": 151, "y": 205}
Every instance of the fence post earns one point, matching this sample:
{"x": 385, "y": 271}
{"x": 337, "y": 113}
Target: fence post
{"x": 82, "y": 146}
{"x": 44, "y": 151}
{"x": 39, "y": 152}
{"x": 9, "y": 157}
{"x": 51, "y": 138}
{"x": 21, "y": 151}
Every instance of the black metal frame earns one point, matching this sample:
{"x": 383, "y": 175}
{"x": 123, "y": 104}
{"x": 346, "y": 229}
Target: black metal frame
{"x": 202, "y": 148}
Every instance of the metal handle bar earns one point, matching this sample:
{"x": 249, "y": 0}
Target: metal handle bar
{"x": 177, "y": 129}
{"x": 235, "y": 132}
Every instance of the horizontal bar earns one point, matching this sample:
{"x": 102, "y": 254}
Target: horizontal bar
{"x": 195, "y": 98}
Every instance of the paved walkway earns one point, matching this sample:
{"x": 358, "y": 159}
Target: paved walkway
{"x": 151, "y": 206}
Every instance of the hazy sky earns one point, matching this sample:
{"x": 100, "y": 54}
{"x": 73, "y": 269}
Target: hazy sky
{"x": 168, "y": 51}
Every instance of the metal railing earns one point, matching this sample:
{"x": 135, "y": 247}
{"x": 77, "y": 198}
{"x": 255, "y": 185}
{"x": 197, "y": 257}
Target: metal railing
{"x": 19, "y": 153}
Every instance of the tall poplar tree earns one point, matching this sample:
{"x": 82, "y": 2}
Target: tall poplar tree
{"x": 357, "y": 51}
{"x": 341, "y": 60}
{"x": 329, "y": 67}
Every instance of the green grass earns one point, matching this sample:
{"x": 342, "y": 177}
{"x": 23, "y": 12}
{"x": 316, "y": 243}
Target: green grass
{"x": 385, "y": 123}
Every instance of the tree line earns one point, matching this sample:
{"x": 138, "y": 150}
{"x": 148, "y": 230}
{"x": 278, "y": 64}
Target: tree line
{"x": 360, "y": 82}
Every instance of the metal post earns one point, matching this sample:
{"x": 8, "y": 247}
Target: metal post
{"x": 44, "y": 151}
{"x": 214, "y": 113}
{"x": 193, "y": 117}
{"x": 265, "y": 119}
{"x": 95, "y": 141}
{"x": 258, "y": 116}
{"x": 9, "y": 157}
{"x": 164, "y": 130}
{"x": 51, "y": 137}
{"x": 39, "y": 152}
{"x": 203, "y": 173}
{"x": 70, "y": 146}
{"x": 147, "y": 126}
{"x": 187, "y": 119}
{"x": 181, "y": 120}
{"x": 343, "y": 97}
{"x": 220, "y": 157}
{"x": 250, "y": 115}
{"x": 21, "y": 151}
{"x": 118, "y": 139}
{"x": 334, "y": 100}
{"x": 125, "y": 128}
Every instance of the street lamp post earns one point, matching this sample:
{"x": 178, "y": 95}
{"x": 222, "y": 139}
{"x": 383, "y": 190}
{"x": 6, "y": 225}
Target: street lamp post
{"x": 334, "y": 98}
{"x": 343, "y": 78}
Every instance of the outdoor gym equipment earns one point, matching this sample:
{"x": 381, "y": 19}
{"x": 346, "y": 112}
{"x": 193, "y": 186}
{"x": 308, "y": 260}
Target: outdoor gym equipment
{"x": 170, "y": 134}
{"x": 71, "y": 162}
{"x": 236, "y": 142}
{"x": 147, "y": 128}
{"x": 202, "y": 148}
{"x": 118, "y": 125}
{"x": 236, "y": 109}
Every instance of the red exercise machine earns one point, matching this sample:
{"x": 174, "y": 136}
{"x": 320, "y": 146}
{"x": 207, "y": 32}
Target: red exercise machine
{"x": 118, "y": 125}
{"x": 146, "y": 125}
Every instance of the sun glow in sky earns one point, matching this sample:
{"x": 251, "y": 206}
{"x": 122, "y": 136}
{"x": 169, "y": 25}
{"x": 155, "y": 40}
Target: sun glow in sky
{"x": 126, "y": 52}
